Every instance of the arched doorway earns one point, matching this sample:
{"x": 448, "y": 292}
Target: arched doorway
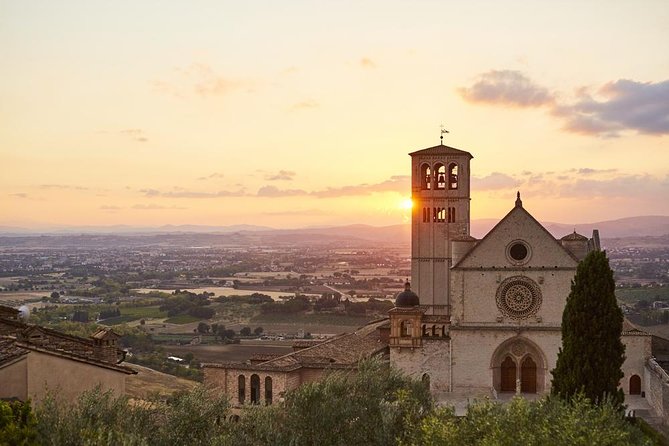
{"x": 528, "y": 375}
{"x": 518, "y": 359}
{"x": 508, "y": 368}
{"x": 635, "y": 385}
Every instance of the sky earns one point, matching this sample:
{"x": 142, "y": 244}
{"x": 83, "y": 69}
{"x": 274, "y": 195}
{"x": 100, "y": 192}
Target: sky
{"x": 302, "y": 113}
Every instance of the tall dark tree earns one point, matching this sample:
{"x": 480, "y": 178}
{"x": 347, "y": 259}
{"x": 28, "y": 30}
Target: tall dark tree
{"x": 592, "y": 352}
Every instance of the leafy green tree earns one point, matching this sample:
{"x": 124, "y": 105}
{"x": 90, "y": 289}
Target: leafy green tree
{"x": 373, "y": 406}
{"x": 258, "y": 331}
{"x": 550, "y": 421}
{"x": 203, "y": 328}
{"x": 245, "y": 331}
{"x": 17, "y": 424}
{"x": 592, "y": 352}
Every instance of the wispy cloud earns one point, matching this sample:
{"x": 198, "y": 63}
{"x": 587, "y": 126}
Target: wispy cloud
{"x": 282, "y": 175}
{"x": 110, "y": 208}
{"x": 296, "y": 212}
{"x": 182, "y": 193}
{"x": 62, "y": 186}
{"x": 151, "y": 207}
{"x": 366, "y": 62}
{"x": 616, "y": 107}
{"x": 305, "y": 105}
{"x": 273, "y": 191}
{"x": 495, "y": 181}
{"x": 21, "y": 195}
{"x": 506, "y": 87}
{"x": 396, "y": 183}
{"x": 202, "y": 80}
{"x": 136, "y": 135}
{"x": 213, "y": 176}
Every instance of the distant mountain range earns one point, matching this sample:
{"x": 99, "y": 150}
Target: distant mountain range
{"x": 644, "y": 226}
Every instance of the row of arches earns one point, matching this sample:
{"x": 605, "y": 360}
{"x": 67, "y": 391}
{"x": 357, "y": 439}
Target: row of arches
{"x": 439, "y": 177}
{"x": 254, "y": 388}
{"x": 439, "y": 215}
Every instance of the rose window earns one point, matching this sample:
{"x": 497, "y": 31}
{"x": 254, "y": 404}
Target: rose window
{"x": 518, "y": 297}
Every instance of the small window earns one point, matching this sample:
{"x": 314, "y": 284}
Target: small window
{"x": 441, "y": 215}
{"x": 405, "y": 329}
{"x": 241, "y": 389}
{"x": 518, "y": 251}
{"x": 255, "y": 389}
{"x": 268, "y": 390}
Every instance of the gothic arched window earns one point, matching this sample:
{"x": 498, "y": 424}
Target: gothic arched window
{"x": 241, "y": 389}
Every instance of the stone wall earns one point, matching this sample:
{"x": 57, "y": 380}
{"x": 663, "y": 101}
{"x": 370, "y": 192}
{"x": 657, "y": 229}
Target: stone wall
{"x": 432, "y": 358}
{"x": 656, "y": 386}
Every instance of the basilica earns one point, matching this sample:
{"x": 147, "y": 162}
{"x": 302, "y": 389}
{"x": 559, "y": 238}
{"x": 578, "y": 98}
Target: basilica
{"x": 480, "y": 317}
{"x": 483, "y": 316}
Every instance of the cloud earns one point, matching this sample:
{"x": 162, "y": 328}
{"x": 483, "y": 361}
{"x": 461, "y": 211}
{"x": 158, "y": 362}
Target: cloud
{"x": 182, "y": 193}
{"x": 273, "y": 191}
{"x": 396, "y": 183}
{"x": 282, "y": 175}
{"x": 616, "y": 107}
{"x": 494, "y": 181}
{"x": 61, "y": 186}
{"x": 136, "y": 135}
{"x": 623, "y": 105}
{"x": 296, "y": 212}
{"x": 366, "y": 62}
{"x": 214, "y": 175}
{"x": 590, "y": 171}
{"x": 151, "y": 207}
{"x": 110, "y": 208}
{"x": 201, "y": 79}
{"x": 506, "y": 87}
{"x": 22, "y": 195}
{"x": 304, "y": 105}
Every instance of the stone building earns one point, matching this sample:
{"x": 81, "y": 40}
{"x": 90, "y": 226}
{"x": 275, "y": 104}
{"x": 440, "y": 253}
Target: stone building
{"x": 485, "y": 317}
{"x": 35, "y": 360}
{"x": 264, "y": 379}
{"x": 490, "y": 310}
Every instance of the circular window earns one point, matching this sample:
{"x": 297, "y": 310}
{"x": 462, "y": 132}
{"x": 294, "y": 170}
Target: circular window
{"x": 518, "y": 252}
{"x": 518, "y": 297}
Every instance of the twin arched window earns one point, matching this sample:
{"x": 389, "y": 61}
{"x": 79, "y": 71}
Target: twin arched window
{"x": 438, "y": 178}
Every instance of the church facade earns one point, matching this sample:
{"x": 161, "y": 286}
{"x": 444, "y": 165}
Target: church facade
{"x": 490, "y": 310}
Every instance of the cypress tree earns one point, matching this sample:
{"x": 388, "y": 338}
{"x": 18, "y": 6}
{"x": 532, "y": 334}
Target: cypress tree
{"x": 592, "y": 352}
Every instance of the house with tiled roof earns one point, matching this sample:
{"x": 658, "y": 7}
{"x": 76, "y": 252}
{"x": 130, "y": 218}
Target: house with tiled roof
{"x": 35, "y": 360}
{"x": 263, "y": 379}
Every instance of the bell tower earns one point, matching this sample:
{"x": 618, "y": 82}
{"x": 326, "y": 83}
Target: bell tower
{"x": 440, "y": 194}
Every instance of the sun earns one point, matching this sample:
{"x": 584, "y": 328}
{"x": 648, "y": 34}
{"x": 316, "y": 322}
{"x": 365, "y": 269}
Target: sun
{"x": 406, "y": 203}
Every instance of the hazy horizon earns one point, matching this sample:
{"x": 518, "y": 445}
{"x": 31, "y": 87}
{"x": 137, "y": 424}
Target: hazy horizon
{"x": 298, "y": 114}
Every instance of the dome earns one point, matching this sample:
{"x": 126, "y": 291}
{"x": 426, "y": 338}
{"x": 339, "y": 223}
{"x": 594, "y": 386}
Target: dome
{"x": 407, "y": 298}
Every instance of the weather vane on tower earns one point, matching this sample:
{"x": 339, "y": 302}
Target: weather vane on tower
{"x": 441, "y": 137}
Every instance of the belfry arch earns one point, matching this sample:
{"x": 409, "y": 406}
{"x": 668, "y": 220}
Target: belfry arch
{"x": 521, "y": 360}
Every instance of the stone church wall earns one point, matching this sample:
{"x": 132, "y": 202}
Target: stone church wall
{"x": 473, "y": 351}
{"x": 432, "y": 358}
{"x": 637, "y": 353}
{"x": 474, "y": 295}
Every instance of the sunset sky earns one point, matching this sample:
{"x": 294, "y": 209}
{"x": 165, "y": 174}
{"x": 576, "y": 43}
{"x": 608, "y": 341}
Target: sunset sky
{"x": 300, "y": 113}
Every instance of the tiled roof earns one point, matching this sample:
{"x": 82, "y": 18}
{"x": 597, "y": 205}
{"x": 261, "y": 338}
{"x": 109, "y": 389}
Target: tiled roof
{"x": 38, "y": 338}
{"x": 629, "y": 328}
{"x": 341, "y": 351}
{"x": 9, "y": 351}
{"x": 441, "y": 150}
{"x": 574, "y": 237}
